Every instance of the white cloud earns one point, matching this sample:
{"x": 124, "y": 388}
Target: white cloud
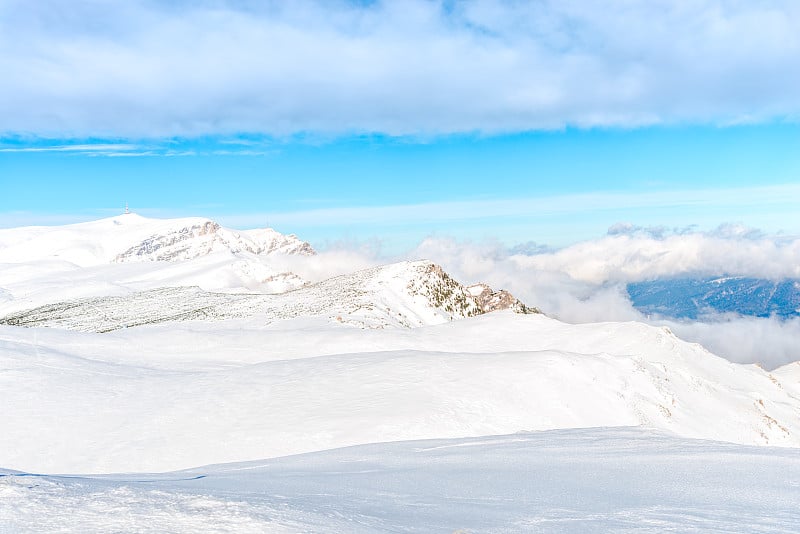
{"x": 150, "y": 69}
{"x": 632, "y": 257}
{"x": 337, "y": 259}
{"x": 536, "y": 207}
{"x": 770, "y": 343}
{"x": 84, "y": 148}
{"x": 586, "y": 282}
{"x": 552, "y": 290}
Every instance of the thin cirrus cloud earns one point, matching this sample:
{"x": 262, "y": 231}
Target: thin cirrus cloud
{"x": 99, "y": 147}
{"x": 777, "y": 197}
{"x": 159, "y": 69}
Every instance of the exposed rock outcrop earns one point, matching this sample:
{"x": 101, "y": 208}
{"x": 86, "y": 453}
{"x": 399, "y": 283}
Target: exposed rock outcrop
{"x": 206, "y": 237}
{"x": 489, "y": 300}
{"x": 405, "y": 294}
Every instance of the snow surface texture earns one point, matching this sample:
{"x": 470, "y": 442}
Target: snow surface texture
{"x": 593, "y": 480}
{"x": 177, "y": 395}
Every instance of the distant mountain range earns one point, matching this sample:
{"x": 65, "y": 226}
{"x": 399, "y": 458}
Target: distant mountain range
{"x": 133, "y": 238}
{"x": 128, "y": 271}
{"x": 693, "y": 297}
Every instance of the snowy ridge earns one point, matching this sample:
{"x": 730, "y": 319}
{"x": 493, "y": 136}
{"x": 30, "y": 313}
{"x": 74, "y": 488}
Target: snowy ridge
{"x": 489, "y": 300}
{"x": 178, "y": 395}
{"x": 34, "y": 284}
{"x": 204, "y": 238}
{"x": 128, "y": 253}
{"x": 406, "y": 294}
{"x": 131, "y": 237}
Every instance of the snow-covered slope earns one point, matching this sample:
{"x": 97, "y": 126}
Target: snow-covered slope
{"x": 593, "y": 480}
{"x": 129, "y": 270}
{"x": 178, "y": 395}
{"x": 405, "y": 294}
{"x": 129, "y": 253}
{"x": 163, "y": 387}
{"x": 130, "y": 237}
{"x": 790, "y": 376}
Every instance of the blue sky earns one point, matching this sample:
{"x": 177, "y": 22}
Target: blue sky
{"x": 541, "y": 121}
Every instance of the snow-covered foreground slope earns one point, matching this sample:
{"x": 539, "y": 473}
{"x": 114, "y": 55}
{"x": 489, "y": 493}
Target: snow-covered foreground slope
{"x": 179, "y": 395}
{"x": 593, "y": 480}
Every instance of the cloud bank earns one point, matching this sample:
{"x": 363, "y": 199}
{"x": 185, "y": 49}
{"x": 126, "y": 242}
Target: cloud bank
{"x": 550, "y": 280}
{"x": 586, "y": 282}
{"x": 637, "y": 255}
{"x": 149, "y": 68}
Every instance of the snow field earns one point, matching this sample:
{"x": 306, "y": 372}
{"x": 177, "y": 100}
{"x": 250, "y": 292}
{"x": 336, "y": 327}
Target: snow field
{"x": 212, "y": 355}
{"x": 164, "y": 398}
{"x": 587, "y": 480}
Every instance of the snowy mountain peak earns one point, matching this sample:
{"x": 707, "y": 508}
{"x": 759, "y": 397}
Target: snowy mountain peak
{"x": 405, "y": 294}
{"x": 130, "y": 237}
{"x": 201, "y": 238}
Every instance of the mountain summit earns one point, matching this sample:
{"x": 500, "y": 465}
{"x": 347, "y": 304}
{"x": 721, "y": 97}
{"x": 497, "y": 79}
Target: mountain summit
{"x": 404, "y": 294}
{"x": 132, "y": 238}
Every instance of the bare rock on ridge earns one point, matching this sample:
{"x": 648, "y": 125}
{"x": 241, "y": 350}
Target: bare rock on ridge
{"x": 205, "y": 237}
{"x": 489, "y": 300}
{"x": 405, "y": 294}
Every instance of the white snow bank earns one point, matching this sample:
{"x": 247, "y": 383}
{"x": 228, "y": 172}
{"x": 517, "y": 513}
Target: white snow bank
{"x": 594, "y": 480}
{"x": 154, "y": 399}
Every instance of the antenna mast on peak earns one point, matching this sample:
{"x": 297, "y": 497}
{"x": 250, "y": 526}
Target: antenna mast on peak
{"x": 127, "y": 211}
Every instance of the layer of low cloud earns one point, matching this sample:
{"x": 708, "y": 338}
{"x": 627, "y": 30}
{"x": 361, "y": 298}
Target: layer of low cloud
{"x": 586, "y": 282}
{"x": 338, "y": 258}
{"x": 768, "y": 342}
{"x": 633, "y": 257}
{"x": 540, "y": 207}
{"x": 149, "y": 68}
